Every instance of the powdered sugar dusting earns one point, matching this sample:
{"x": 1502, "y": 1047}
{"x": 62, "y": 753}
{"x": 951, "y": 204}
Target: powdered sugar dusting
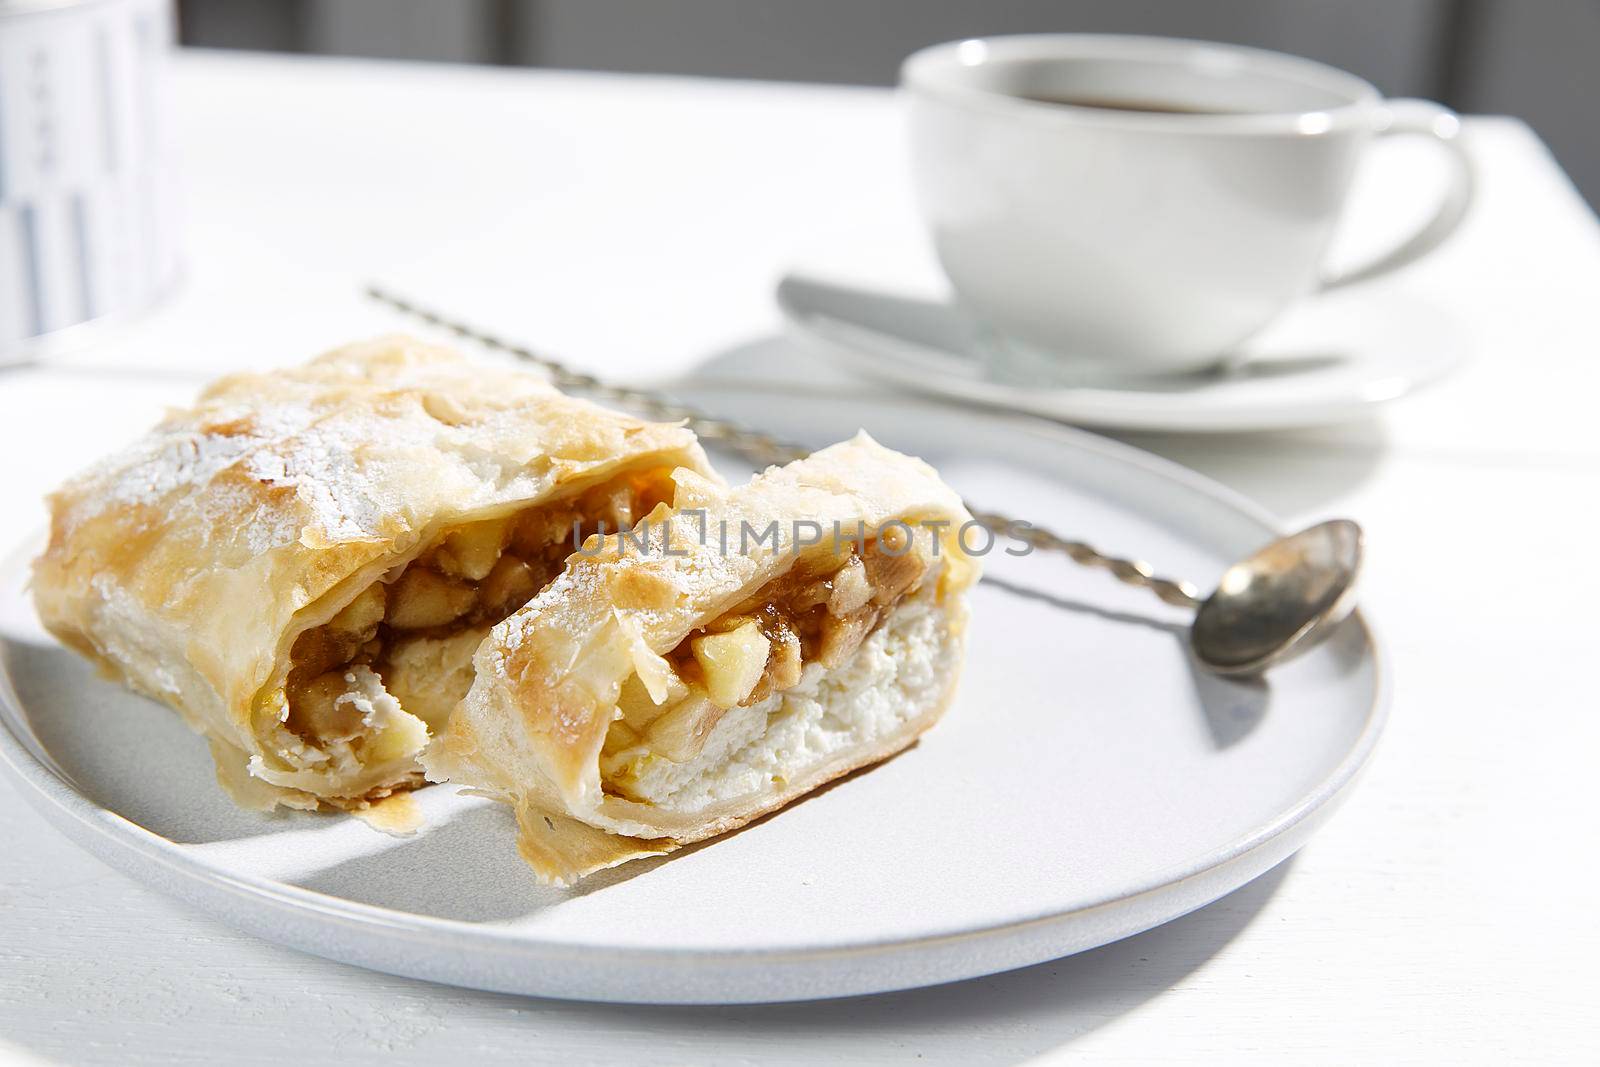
{"x": 312, "y": 453}
{"x": 322, "y": 468}
{"x": 185, "y": 453}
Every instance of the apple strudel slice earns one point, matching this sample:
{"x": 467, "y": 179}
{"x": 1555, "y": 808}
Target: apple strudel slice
{"x": 304, "y": 562}
{"x": 730, "y": 654}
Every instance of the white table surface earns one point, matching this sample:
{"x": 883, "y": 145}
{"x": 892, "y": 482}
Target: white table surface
{"x": 637, "y": 226}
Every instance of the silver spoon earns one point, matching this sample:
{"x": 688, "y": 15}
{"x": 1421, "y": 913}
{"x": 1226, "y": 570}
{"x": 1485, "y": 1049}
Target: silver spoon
{"x": 1267, "y": 608}
{"x": 1279, "y": 601}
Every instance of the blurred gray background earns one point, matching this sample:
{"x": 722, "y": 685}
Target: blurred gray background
{"x": 1537, "y": 59}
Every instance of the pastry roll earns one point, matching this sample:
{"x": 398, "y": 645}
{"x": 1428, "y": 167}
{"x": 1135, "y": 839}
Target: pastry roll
{"x": 303, "y": 562}
{"x": 732, "y": 653}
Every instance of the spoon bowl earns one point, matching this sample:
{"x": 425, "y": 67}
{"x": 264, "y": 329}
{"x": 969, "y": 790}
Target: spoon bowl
{"x": 1279, "y": 601}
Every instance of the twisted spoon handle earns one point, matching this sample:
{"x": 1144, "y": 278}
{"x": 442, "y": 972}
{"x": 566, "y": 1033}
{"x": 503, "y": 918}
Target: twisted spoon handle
{"x": 763, "y": 448}
{"x": 1130, "y": 571}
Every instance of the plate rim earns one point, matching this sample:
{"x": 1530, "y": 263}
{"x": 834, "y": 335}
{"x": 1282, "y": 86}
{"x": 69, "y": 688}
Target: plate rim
{"x": 59, "y": 799}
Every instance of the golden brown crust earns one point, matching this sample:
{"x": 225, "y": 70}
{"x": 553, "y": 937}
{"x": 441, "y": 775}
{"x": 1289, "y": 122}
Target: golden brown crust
{"x": 561, "y": 850}
{"x": 187, "y": 563}
{"x": 532, "y": 728}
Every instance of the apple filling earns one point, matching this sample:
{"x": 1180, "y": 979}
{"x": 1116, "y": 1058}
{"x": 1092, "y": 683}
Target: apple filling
{"x": 819, "y": 612}
{"x": 365, "y": 687}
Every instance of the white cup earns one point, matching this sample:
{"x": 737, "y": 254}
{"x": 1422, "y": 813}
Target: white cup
{"x": 1102, "y": 240}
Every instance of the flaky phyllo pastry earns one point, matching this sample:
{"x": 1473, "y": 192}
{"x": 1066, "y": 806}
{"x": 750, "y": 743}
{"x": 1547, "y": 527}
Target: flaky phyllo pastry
{"x": 304, "y": 562}
{"x": 732, "y": 653}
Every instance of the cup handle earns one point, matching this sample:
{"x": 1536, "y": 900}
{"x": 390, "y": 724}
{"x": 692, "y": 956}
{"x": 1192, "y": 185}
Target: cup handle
{"x": 1425, "y": 118}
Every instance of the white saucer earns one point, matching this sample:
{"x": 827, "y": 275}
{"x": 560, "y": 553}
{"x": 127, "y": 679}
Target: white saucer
{"x": 1087, "y": 783}
{"x": 1332, "y": 359}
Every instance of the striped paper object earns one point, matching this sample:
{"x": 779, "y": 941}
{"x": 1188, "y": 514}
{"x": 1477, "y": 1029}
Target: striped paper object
{"x": 87, "y": 212}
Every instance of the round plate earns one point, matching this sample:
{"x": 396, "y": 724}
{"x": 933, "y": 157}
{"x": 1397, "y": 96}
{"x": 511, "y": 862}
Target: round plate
{"x": 1089, "y": 781}
{"x": 1331, "y": 359}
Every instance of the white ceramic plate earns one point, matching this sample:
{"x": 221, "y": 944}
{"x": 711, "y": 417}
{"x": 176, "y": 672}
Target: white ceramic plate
{"x": 1332, "y": 359}
{"x": 1088, "y": 782}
